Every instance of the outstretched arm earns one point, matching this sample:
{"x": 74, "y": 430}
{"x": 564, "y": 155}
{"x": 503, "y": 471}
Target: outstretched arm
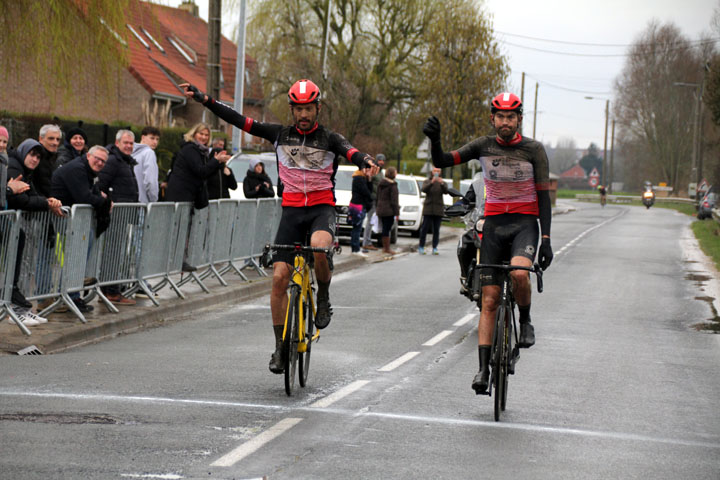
{"x": 440, "y": 159}
{"x": 268, "y": 131}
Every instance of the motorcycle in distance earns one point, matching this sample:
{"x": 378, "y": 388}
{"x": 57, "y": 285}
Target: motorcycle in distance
{"x": 648, "y": 196}
{"x": 472, "y": 209}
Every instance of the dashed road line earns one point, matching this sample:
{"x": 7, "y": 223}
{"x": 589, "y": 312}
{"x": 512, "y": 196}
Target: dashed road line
{"x": 437, "y": 338}
{"x": 396, "y": 363}
{"x": 251, "y": 446}
{"x": 465, "y": 319}
{"x": 339, "y": 394}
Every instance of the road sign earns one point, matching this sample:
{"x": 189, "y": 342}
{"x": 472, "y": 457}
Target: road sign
{"x": 703, "y": 187}
{"x": 593, "y": 181}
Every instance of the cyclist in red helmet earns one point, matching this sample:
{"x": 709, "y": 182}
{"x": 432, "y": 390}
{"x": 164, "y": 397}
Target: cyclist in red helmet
{"x": 517, "y": 196}
{"x": 307, "y": 154}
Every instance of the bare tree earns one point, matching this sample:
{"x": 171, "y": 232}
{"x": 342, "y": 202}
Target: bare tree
{"x": 655, "y": 116}
{"x": 564, "y": 156}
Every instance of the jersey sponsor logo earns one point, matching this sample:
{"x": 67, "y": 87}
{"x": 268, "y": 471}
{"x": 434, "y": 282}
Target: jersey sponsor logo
{"x": 530, "y": 250}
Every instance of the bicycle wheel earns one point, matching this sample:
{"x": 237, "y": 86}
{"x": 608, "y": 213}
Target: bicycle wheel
{"x": 499, "y": 373}
{"x": 290, "y": 342}
{"x": 507, "y": 359}
{"x": 304, "y": 357}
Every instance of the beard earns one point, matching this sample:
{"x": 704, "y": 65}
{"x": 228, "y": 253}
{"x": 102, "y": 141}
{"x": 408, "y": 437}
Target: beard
{"x": 506, "y": 133}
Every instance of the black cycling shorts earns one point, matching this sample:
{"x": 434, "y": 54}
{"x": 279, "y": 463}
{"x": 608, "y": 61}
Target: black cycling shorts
{"x": 297, "y": 224}
{"x": 504, "y": 237}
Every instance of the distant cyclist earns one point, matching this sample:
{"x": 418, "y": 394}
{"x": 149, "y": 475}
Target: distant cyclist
{"x": 517, "y": 180}
{"x": 603, "y": 194}
{"x": 306, "y": 153}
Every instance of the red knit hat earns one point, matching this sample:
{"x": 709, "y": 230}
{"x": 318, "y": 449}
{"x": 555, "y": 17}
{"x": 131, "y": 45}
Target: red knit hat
{"x": 4, "y": 133}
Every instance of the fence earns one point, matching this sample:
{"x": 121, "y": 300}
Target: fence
{"x": 62, "y": 258}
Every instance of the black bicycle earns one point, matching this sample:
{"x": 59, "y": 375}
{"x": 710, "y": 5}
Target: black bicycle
{"x": 504, "y": 352}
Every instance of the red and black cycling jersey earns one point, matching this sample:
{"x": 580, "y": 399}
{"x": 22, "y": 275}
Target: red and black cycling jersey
{"x": 513, "y": 171}
{"x": 306, "y": 160}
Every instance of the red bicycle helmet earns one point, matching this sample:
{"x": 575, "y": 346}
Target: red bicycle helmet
{"x": 507, "y": 101}
{"x": 302, "y": 92}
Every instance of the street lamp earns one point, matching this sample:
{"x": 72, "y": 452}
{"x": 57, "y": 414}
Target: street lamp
{"x": 607, "y": 116}
{"x": 696, "y": 174}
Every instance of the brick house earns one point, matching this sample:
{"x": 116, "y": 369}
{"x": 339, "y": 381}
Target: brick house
{"x": 166, "y": 46}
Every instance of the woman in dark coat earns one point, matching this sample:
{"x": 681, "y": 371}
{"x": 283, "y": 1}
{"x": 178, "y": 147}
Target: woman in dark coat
{"x": 434, "y": 187}
{"x": 388, "y": 206}
{"x": 192, "y": 167}
{"x": 75, "y": 145}
{"x": 257, "y": 183}
{"x": 360, "y": 203}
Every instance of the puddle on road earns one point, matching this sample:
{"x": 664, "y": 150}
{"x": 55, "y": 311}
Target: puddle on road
{"x": 712, "y": 324}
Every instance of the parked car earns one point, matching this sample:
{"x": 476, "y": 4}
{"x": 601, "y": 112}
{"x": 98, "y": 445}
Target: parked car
{"x": 410, "y": 216}
{"x": 240, "y": 163}
{"x": 706, "y": 205}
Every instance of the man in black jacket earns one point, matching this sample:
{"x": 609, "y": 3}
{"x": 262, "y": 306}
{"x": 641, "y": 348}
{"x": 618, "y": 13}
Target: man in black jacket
{"x": 76, "y": 182}
{"x": 50, "y": 137}
{"x": 117, "y": 178}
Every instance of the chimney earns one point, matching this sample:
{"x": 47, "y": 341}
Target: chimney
{"x": 190, "y": 7}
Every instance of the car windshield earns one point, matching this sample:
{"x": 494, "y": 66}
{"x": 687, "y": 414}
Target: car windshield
{"x": 406, "y": 187}
{"x": 241, "y": 164}
{"x": 343, "y": 180}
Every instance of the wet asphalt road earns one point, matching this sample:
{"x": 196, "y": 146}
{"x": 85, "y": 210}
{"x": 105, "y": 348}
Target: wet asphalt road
{"x": 619, "y": 384}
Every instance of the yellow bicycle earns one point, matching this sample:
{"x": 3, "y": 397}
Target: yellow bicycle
{"x": 299, "y": 332}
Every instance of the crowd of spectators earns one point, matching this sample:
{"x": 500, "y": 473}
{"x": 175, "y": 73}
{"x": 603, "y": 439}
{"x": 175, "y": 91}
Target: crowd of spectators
{"x": 61, "y": 169}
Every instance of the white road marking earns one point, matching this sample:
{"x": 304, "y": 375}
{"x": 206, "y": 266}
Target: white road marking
{"x": 437, "y": 338}
{"x": 343, "y": 392}
{"x": 577, "y": 239}
{"x": 396, "y": 363}
{"x": 251, "y": 446}
{"x": 162, "y": 476}
{"x": 465, "y": 319}
{"x": 394, "y": 416}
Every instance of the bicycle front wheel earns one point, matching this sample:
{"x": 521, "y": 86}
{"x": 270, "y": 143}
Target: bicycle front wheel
{"x": 498, "y": 360}
{"x": 290, "y": 341}
{"x": 508, "y": 357}
{"x": 309, "y": 327}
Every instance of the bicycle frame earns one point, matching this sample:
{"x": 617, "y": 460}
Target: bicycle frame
{"x": 302, "y": 277}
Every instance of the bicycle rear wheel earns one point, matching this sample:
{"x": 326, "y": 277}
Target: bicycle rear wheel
{"x": 309, "y": 320}
{"x": 508, "y": 355}
{"x": 499, "y": 372}
{"x": 290, "y": 341}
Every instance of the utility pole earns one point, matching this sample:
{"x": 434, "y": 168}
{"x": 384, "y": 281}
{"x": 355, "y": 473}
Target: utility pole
{"x": 213, "y": 62}
{"x": 612, "y": 157}
{"x": 239, "y": 78}
{"x": 522, "y": 95}
{"x": 607, "y": 116}
{"x": 535, "y": 112}
{"x": 326, "y": 38}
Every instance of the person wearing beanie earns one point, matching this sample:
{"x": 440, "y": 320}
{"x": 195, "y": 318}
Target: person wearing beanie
{"x": 257, "y": 183}
{"x": 75, "y": 145}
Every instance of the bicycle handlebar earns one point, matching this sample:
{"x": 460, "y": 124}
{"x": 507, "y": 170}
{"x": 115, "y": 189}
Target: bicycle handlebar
{"x": 301, "y": 248}
{"x": 534, "y": 269}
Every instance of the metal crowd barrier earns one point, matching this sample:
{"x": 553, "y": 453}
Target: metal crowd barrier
{"x": 9, "y": 237}
{"x": 62, "y": 256}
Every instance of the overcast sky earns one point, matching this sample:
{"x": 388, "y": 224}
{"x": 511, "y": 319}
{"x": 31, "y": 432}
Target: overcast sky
{"x": 565, "y": 80}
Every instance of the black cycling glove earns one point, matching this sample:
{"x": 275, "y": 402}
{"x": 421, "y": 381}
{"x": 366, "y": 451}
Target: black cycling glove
{"x": 198, "y": 96}
{"x": 546, "y": 254}
{"x": 432, "y": 129}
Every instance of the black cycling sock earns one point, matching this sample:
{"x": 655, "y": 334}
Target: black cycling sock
{"x": 484, "y": 355}
{"x": 524, "y": 313}
{"x": 278, "y": 329}
{"x": 323, "y": 289}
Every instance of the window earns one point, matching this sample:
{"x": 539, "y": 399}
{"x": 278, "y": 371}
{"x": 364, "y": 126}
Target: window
{"x": 182, "y": 52}
{"x": 152, "y": 39}
{"x": 137, "y": 35}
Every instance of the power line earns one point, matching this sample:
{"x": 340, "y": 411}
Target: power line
{"x": 685, "y": 47}
{"x": 593, "y": 44}
{"x": 560, "y": 87}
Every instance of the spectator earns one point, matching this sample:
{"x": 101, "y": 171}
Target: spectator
{"x": 377, "y": 176}
{"x": 388, "y": 206}
{"x": 433, "y": 209}
{"x": 221, "y": 182}
{"x": 50, "y": 136}
{"x": 75, "y": 145}
{"x": 360, "y": 203}
{"x": 23, "y": 163}
{"x": 188, "y": 177}
{"x": 117, "y": 178}
{"x": 76, "y": 182}
{"x": 192, "y": 167}
{"x": 4, "y": 140}
{"x": 257, "y": 183}
{"x": 146, "y": 168}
